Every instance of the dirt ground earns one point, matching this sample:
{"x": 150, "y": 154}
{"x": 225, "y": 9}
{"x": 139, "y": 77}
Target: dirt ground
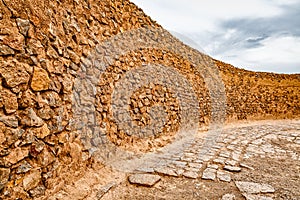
{"x": 278, "y": 166}
{"x": 282, "y": 174}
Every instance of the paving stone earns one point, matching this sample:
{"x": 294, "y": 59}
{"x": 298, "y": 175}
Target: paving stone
{"x": 225, "y": 154}
{"x": 195, "y": 165}
{"x": 205, "y": 157}
{"x": 254, "y": 188}
{"x": 230, "y": 162}
{"x": 179, "y": 171}
{"x": 209, "y": 174}
{"x": 219, "y": 160}
{"x": 144, "y": 179}
{"x": 246, "y": 166}
{"x": 180, "y": 163}
{"x": 232, "y": 168}
{"x": 166, "y": 171}
{"x": 213, "y": 166}
{"x": 236, "y": 156}
{"x": 223, "y": 176}
{"x": 256, "y": 197}
{"x": 145, "y": 169}
{"x": 190, "y": 174}
{"x": 228, "y": 197}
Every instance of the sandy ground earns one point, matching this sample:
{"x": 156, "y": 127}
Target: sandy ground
{"x": 278, "y": 166}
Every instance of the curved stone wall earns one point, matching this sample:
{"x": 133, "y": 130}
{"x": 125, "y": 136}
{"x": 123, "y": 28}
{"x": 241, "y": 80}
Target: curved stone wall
{"x": 93, "y": 83}
{"x": 260, "y": 95}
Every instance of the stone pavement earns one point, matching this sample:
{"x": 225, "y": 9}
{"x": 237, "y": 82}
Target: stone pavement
{"x": 235, "y": 144}
{"x": 226, "y": 156}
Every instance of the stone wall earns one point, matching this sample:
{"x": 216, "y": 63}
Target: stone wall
{"x": 64, "y": 76}
{"x": 260, "y": 95}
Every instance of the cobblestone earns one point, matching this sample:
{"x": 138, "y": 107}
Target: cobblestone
{"x": 209, "y": 174}
{"x": 223, "y": 176}
{"x": 211, "y": 166}
{"x": 234, "y": 146}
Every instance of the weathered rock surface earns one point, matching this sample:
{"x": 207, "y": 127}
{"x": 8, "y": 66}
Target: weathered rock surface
{"x": 17, "y": 154}
{"x": 14, "y": 73}
{"x": 228, "y": 197}
{"x": 40, "y": 80}
{"x": 32, "y": 180}
{"x": 4, "y": 176}
{"x": 144, "y": 179}
{"x": 209, "y": 174}
{"x": 254, "y": 188}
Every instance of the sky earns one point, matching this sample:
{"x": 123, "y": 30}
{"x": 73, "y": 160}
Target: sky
{"x": 258, "y": 35}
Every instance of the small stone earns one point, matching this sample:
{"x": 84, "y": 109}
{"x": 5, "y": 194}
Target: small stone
{"x": 35, "y": 47}
{"x": 40, "y": 80}
{"x": 8, "y": 100}
{"x": 144, "y": 179}
{"x": 256, "y": 197}
{"x": 213, "y": 166}
{"x": 75, "y": 151}
{"x": 30, "y": 118}
{"x": 166, "y": 171}
{"x": 145, "y": 169}
{"x": 6, "y": 50}
{"x": 23, "y": 25}
{"x": 179, "y": 171}
{"x": 190, "y": 174}
{"x": 38, "y": 191}
{"x": 254, "y": 188}
{"x": 45, "y": 158}
{"x": 32, "y": 180}
{"x": 209, "y": 174}
{"x": 104, "y": 189}
{"x": 2, "y": 136}
{"x": 219, "y": 160}
{"x": 17, "y": 154}
{"x": 14, "y": 73}
{"x": 232, "y": 168}
{"x": 4, "y": 176}
{"x": 15, "y": 41}
{"x": 37, "y": 148}
{"x": 24, "y": 167}
{"x": 41, "y": 132}
{"x": 246, "y": 166}
{"x": 10, "y": 136}
{"x": 74, "y": 57}
{"x": 230, "y": 162}
{"x": 223, "y": 176}
{"x": 10, "y": 121}
{"x": 51, "y": 98}
{"x": 228, "y": 197}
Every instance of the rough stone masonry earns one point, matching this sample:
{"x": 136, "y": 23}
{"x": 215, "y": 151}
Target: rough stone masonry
{"x": 43, "y": 51}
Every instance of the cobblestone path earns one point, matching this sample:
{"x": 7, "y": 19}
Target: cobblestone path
{"x": 226, "y": 156}
{"x": 234, "y": 146}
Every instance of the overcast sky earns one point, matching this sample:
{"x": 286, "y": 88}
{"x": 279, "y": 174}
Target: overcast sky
{"x": 260, "y": 35}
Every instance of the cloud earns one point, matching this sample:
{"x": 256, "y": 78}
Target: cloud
{"x": 199, "y": 15}
{"x": 286, "y": 23}
{"x": 277, "y": 54}
{"x": 261, "y": 35}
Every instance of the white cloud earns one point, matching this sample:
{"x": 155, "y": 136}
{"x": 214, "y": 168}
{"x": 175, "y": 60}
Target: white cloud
{"x": 280, "y": 54}
{"x": 251, "y": 39}
{"x": 195, "y": 15}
